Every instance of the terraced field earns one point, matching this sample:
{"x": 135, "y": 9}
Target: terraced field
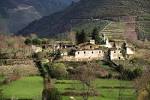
{"x": 144, "y": 26}
{"x": 114, "y": 30}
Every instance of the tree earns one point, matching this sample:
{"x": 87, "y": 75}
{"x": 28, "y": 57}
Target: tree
{"x": 37, "y": 41}
{"x": 72, "y": 37}
{"x": 46, "y": 71}
{"x": 86, "y": 75}
{"x": 124, "y": 50}
{"x": 81, "y": 37}
{"x": 28, "y": 41}
{"x": 142, "y": 85}
{"x": 58, "y": 70}
{"x": 53, "y": 94}
{"x": 77, "y": 37}
{"x": 107, "y": 55}
{"x": 57, "y": 54}
{"x": 84, "y": 37}
{"x": 95, "y": 36}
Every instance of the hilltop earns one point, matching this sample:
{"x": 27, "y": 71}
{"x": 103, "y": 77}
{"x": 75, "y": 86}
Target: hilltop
{"x": 85, "y": 9}
{"x": 16, "y": 14}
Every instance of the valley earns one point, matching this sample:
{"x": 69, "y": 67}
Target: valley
{"x": 74, "y": 50}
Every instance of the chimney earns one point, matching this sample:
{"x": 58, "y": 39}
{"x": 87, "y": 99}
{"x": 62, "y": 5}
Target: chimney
{"x": 92, "y": 41}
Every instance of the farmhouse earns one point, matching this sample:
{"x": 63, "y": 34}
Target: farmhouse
{"x": 63, "y": 45}
{"x": 116, "y": 46}
{"x": 89, "y": 55}
{"x": 89, "y": 51}
{"x": 116, "y": 54}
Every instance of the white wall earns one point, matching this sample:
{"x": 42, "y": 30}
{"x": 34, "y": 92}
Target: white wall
{"x": 89, "y": 54}
{"x": 108, "y": 45}
{"x": 130, "y": 51}
{"x": 116, "y": 55}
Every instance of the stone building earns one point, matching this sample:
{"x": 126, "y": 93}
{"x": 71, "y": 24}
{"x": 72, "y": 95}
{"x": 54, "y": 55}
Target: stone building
{"x": 89, "y": 55}
{"x": 116, "y": 54}
{"x": 89, "y": 51}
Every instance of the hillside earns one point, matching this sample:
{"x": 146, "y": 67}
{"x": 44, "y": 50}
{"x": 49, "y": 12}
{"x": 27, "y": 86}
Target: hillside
{"x": 144, "y": 26}
{"x": 85, "y": 9}
{"x": 16, "y": 14}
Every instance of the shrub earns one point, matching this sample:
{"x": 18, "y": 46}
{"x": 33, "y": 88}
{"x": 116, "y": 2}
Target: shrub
{"x": 128, "y": 74}
{"x": 37, "y": 41}
{"x": 59, "y": 70}
{"x": 28, "y": 41}
{"x": 52, "y": 94}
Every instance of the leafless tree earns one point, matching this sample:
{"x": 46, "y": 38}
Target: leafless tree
{"x": 142, "y": 85}
{"x": 86, "y": 75}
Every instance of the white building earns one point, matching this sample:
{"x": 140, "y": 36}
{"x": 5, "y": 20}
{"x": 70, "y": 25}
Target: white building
{"x": 89, "y": 55}
{"x": 130, "y": 49}
{"x": 116, "y": 54}
{"x": 36, "y": 49}
{"x": 108, "y": 44}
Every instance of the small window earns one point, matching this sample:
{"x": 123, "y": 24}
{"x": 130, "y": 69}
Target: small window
{"x": 92, "y": 52}
{"x": 90, "y": 46}
{"x": 114, "y": 51}
{"x": 78, "y": 52}
{"x": 84, "y": 52}
{"x": 99, "y": 51}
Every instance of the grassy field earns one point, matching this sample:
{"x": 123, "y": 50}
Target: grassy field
{"x": 28, "y": 87}
{"x": 31, "y": 87}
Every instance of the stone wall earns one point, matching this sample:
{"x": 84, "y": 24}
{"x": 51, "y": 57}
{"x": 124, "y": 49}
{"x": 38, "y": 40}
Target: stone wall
{"x": 89, "y": 54}
{"x": 116, "y": 55}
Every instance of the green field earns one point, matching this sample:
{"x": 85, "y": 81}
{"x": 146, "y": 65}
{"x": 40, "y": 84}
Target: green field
{"x": 31, "y": 87}
{"x": 28, "y": 87}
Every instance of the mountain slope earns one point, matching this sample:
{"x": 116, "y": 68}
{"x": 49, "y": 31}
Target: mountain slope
{"x": 16, "y": 14}
{"x": 62, "y": 21}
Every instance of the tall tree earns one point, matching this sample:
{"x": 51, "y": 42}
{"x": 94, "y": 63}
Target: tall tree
{"x": 142, "y": 85}
{"x": 124, "y": 50}
{"x": 86, "y": 75}
{"x": 95, "y": 36}
{"x": 81, "y": 37}
{"x": 46, "y": 69}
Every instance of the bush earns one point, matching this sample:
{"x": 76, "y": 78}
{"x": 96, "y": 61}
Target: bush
{"x": 52, "y": 94}
{"x": 37, "y": 41}
{"x": 28, "y": 41}
{"x": 128, "y": 74}
{"x": 59, "y": 70}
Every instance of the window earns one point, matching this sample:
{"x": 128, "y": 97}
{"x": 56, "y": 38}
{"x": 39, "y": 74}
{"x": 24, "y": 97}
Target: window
{"x": 84, "y": 52}
{"x": 90, "y": 46}
{"x": 99, "y": 51}
{"x": 78, "y": 52}
{"x": 92, "y": 52}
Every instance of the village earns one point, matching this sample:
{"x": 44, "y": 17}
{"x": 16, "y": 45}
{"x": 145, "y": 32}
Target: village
{"x": 115, "y": 49}
{"x": 115, "y": 43}
{"x": 74, "y": 50}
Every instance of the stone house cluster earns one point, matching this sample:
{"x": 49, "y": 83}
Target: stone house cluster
{"x": 91, "y": 51}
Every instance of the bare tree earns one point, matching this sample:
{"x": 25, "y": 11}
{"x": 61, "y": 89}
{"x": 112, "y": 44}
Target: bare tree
{"x": 86, "y": 75}
{"x": 142, "y": 85}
